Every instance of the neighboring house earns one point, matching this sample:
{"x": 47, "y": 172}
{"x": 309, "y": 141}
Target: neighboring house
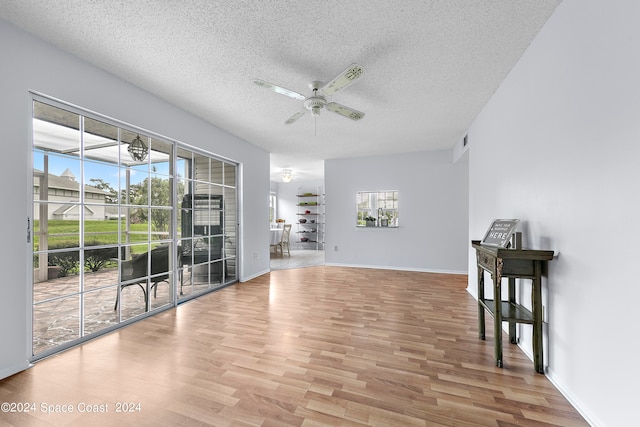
{"x": 63, "y": 195}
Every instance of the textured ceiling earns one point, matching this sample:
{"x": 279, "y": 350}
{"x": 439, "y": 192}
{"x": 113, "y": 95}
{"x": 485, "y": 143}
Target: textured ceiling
{"x": 430, "y": 65}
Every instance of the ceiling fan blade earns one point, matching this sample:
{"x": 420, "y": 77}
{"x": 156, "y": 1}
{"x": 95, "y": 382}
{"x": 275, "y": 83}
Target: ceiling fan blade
{"x": 279, "y": 89}
{"x": 296, "y": 116}
{"x": 343, "y": 80}
{"x": 349, "y": 113}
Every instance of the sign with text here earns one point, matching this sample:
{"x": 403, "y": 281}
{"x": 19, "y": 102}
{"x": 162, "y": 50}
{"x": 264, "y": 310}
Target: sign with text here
{"x": 499, "y": 234}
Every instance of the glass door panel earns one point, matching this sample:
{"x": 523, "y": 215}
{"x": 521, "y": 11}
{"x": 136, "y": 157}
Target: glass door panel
{"x": 56, "y": 322}
{"x": 99, "y": 312}
{"x": 216, "y": 171}
{"x": 229, "y": 175}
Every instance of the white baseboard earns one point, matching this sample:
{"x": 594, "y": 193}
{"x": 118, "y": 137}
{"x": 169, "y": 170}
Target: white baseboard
{"x": 14, "y": 369}
{"x": 573, "y": 401}
{"x": 384, "y": 267}
{"x": 567, "y": 395}
{"x": 247, "y": 278}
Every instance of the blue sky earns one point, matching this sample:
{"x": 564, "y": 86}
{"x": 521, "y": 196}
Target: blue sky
{"x": 107, "y": 172}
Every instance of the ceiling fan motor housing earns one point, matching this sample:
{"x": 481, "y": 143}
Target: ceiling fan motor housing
{"x": 315, "y": 104}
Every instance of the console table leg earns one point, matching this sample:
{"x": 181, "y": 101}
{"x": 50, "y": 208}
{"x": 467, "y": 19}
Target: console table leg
{"x": 481, "y": 328}
{"x": 536, "y": 302}
{"x": 497, "y": 320}
{"x": 512, "y": 299}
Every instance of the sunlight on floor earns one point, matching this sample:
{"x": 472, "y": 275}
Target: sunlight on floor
{"x": 298, "y": 259}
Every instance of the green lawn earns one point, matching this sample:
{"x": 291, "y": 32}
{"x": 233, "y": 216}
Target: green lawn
{"x": 66, "y": 233}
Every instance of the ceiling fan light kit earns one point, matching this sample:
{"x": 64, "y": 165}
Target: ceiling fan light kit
{"x": 287, "y": 175}
{"x": 316, "y": 102}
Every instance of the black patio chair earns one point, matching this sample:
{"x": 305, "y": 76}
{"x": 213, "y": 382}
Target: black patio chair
{"x": 136, "y": 268}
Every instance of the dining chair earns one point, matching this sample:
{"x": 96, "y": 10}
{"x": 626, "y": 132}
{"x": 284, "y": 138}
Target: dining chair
{"x": 284, "y": 240}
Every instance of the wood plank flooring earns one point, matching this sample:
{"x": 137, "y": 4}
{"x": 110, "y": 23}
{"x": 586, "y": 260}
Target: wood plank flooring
{"x": 317, "y": 346}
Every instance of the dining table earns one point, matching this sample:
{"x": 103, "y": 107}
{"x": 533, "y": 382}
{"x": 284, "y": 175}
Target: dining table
{"x": 275, "y": 235}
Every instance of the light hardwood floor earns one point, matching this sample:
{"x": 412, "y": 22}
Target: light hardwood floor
{"x": 304, "y": 347}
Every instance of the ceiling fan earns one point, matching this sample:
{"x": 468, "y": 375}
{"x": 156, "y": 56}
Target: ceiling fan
{"x": 318, "y": 100}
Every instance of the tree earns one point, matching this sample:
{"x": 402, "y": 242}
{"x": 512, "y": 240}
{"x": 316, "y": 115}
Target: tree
{"x": 160, "y": 196}
{"x": 100, "y": 184}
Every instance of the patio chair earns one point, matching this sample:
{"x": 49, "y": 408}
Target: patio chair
{"x": 136, "y": 268}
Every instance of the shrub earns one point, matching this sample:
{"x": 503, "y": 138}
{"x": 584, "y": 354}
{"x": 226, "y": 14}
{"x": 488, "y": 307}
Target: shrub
{"x": 95, "y": 259}
{"x": 67, "y": 261}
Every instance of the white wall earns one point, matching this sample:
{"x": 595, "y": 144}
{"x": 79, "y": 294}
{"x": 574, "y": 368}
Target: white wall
{"x": 30, "y": 64}
{"x": 558, "y": 146}
{"x": 432, "y": 205}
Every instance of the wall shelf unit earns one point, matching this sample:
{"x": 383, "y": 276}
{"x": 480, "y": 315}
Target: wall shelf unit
{"x": 310, "y": 219}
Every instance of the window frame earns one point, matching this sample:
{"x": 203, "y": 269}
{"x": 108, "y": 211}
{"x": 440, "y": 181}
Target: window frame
{"x": 368, "y": 204}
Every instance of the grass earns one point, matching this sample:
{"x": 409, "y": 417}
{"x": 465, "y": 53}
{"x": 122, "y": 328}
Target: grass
{"x": 66, "y": 233}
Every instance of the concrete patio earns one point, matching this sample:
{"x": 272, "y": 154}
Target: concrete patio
{"x": 57, "y": 304}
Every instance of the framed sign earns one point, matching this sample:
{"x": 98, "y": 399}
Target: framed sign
{"x": 499, "y": 234}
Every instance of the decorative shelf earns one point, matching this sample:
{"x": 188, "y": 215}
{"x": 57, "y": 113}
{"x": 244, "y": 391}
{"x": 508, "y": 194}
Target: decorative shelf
{"x": 310, "y": 214}
{"x": 510, "y": 311}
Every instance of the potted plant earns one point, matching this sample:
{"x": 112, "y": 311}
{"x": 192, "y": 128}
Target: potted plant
{"x": 370, "y": 221}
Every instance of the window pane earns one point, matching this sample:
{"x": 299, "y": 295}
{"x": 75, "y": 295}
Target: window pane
{"x": 133, "y": 299}
{"x": 100, "y": 232}
{"x": 55, "y": 129}
{"x": 230, "y": 221}
{"x": 186, "y": 247}
{"x": 134, "y": 262}
{"x": 216, "y": 172}
{"x": 135, "y": 187}
{"x": 229, "y": 174}
{"x": 201, "y": 171}
{"x": 185, "y": 226}
{"x": 160, "y": 223}
{"x": 60, "y": 233}
{"x": 160, "y": 155}
{"x": 101, "y": 182}
{"x": 161, "y": 291}
{"x": 98, "y": 309}
{"x": 61, "y": 275}
{"x": 97, "y": 259}
{"x": 161, "y": 188}
{"x": 216, "y": 246}
{"x": 58, "y": 172}
{"x": 134, "y": 150}
{"x": 101, "y": 266}
{"x": 100, "y": 141}
{"x": 46, "y": 318}
{"x": 182, "y": 189}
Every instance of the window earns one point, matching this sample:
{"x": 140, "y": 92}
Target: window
{"x": 272, "y": 208}
{"x": 377, "y": 209}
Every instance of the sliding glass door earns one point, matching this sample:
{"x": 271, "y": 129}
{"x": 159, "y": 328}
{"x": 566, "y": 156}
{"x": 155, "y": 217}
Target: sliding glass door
{"x": 122, "y": 225}
{"x": 207, "y": 222}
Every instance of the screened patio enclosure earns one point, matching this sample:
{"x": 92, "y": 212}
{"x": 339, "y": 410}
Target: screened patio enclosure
{"x": 116, "y": 232}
